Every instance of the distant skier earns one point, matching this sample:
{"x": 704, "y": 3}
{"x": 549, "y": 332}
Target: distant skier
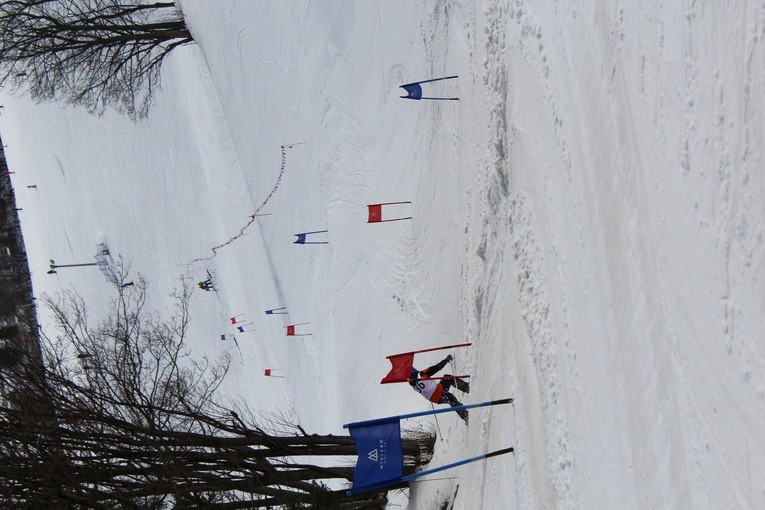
{"x": 437, "y": 390}
{"x": 206, "y": 284}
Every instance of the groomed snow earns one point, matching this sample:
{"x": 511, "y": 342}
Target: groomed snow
{"x": 590, "y": 215}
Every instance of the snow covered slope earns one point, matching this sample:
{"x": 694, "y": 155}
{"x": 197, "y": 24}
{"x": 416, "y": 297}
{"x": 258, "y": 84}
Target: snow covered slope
{"x": 589, "y": 214}
{"x": 625, "y": 221}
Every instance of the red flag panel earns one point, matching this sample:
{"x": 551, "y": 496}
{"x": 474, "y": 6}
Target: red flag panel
{"x": 375, "y": 213}
{"x": 402, "y": 368}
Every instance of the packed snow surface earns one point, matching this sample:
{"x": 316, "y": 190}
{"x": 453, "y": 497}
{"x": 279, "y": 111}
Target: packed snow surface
{"x": 589, "y": 215}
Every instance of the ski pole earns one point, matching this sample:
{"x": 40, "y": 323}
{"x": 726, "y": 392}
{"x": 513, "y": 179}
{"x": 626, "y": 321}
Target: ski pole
{"x": 438, "y": 427}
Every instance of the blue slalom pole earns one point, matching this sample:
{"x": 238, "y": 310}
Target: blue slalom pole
{"x": 414, "y": 90}
{"x": 428, "y": 81}
{"x": 408, "y": 478}
{"x": 380, "y": 421}
{"x": 455, "y": 464}
{"x": 302, "y": 236}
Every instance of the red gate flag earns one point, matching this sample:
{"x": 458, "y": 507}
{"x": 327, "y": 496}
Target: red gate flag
{"x": 402, "y": 368}
{"x": 291, "y": 330}
{"x": 376, "y": 212}
{"x": 403, "y": 363}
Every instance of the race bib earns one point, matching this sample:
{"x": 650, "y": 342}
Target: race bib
{"x": 425, "y": 387}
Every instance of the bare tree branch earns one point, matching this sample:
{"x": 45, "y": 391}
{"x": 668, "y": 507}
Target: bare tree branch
{"x": 119, "y": 415}
{"x": 96, "y": 53}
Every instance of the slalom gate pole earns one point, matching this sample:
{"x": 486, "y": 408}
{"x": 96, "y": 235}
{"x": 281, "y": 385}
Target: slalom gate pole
{"x": 380, "y": 421}
{"x": 455, "y": 464}
{"x": 434, "y": 349}
{"x": 437, "y": 479}
{"x": 449, "y": 377}
{"x": 429, "y": 81}
{"x": 395, "y": 219}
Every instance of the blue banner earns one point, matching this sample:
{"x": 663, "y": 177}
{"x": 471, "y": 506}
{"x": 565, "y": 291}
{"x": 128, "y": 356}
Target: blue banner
{"x": 380, "y": 459}
{"x": 378, "y": 443}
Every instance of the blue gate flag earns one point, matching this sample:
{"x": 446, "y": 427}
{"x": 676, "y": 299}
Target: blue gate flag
{"x": 380, "y": 459}
{"x": 301, "y": 237}
{"x": 413, "y": 91}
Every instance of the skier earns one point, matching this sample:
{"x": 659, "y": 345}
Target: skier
{"x": 208, "y": 283}
{"x": 437, "y": 391}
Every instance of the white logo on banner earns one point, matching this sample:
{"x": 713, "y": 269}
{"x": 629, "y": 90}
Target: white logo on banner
{"x": 372, "y": 455}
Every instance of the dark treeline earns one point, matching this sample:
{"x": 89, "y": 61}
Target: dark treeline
{"x": 117, "y": 415}
{"x": 18, "y": 317}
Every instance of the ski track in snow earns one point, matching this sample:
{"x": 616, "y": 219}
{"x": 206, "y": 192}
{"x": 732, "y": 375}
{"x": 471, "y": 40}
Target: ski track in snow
{"x": 508, "y": 229}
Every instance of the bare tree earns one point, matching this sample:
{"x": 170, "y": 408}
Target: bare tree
{"x": 118, "y": 415}
{"x": 94, "y": 53}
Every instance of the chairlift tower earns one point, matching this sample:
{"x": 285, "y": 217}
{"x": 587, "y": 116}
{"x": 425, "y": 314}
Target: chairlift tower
{"x": 104, "y": 262}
